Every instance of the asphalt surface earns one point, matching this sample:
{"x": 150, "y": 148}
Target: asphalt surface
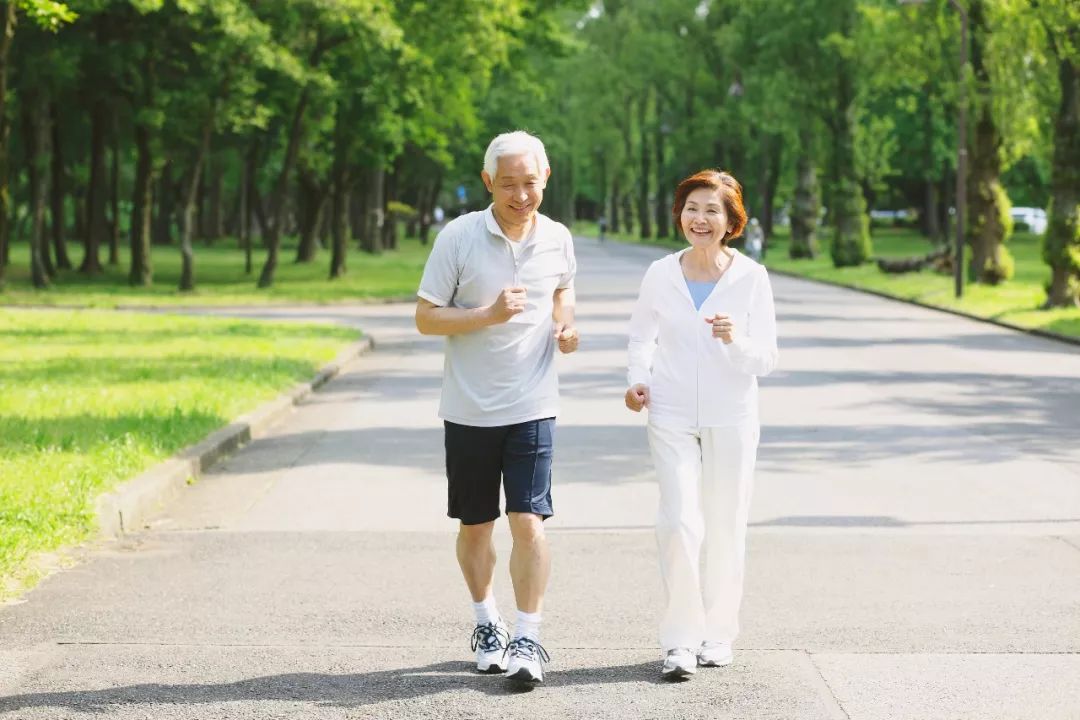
{"x": 914, "y": 547}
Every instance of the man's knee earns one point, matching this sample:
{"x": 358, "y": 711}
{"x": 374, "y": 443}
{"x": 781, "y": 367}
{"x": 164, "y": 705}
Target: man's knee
{"x": 476, "y": 535}
{"x": 527, "y": 528}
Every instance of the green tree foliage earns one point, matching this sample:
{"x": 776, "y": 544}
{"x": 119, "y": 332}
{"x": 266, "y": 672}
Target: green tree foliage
{"x": 183, "y": 122}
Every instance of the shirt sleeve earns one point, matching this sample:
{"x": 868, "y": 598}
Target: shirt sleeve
{"x": 644, "y": 330}
{"x": 438, "y": 285}
{"x": 567, "y": 279}
{"x": 754, "y": 350}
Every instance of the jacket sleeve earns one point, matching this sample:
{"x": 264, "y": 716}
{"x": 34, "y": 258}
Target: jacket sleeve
{"x": 643, "y": 331}
{"x": 753, "y": 349}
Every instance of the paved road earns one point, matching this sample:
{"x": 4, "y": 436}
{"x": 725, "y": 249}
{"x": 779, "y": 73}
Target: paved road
{"x": 914, "y": 549}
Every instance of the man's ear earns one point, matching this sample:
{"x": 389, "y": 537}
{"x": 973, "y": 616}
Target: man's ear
{"x": 488, "y": 183}
{"x": 547, "y": 176}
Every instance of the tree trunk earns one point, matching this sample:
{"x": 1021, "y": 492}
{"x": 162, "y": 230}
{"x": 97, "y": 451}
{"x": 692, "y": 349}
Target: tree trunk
{"x": 613, "y": 213}
{"x": 851, "y": 237}
{"x": 96, "y": 191}
{"x": 56, "y": 209}
{"x": 428, "y": 209}
{"x": 988, "y": 222}
{"x": 6, "y": 34}
{"x": 628, "y": 215}
{"x": 248, "y": 199}
{"x": 768, "y": 206}
{"x": 1062, "y": 244}
{"x": 931, "y": 226}
{"x": 35, "y": 117}
{"x": 187, "y": 255}
{"x": 37, "y": 127}
{"x": 390, "y": 194}
{"x": 141, "y": 273}
{"x": 339, "y": 200}
{"x": 202, "y": 216}
{"x": 358, "y": 194}
{"x": 644, "y": 210}
{"x": 373, "y": 212}
{"x": 216, "y": 222}
{"x": 805, "y": 206}
{"x": 310, "y": 204}
{"x": 166, "y": 203}
{"x": 273, "y": 240}
{"x": 114, "y": 195}
{"x": 244, "y": 216}
{"x": 663, "y": 211}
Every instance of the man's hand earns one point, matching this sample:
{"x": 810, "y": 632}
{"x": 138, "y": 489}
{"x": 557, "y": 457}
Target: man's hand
{"x": 567, "y": 337}
{"x": 510, "y": 302}
{"x": 722, "y": 327}
{"x": 637, "y": 397}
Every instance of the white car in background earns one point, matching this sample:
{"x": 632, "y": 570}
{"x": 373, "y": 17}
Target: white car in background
{"x": 1034, "y": 218}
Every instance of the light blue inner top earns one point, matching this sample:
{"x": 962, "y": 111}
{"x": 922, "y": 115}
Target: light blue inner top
{"x": 699, "y": 290}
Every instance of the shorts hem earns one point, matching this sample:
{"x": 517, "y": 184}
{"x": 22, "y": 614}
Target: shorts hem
{"x": 544, "y": 511}
{"x": 473, "y": 519}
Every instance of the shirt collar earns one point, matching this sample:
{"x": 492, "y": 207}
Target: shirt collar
{"x": 493, "y": 226}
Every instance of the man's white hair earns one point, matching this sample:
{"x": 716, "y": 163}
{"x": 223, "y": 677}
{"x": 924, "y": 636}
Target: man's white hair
{"x": 518, "y": 142}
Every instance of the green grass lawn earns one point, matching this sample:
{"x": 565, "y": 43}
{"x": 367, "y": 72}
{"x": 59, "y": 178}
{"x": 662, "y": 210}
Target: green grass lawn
{"x": 90, "y": 399}
{"x": 220, "y": 278}
{"x": 1016, "y": 302}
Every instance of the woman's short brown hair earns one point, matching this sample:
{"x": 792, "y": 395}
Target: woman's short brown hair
{"x": 730, "y": 191}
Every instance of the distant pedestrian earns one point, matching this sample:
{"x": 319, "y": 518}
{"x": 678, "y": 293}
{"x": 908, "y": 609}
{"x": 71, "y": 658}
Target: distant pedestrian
{"x": 500, "y": 285}
{"x": 702, "y": 331}
{"x": 755, "y": 239}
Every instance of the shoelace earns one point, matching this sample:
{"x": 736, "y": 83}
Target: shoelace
{"x": 489, "y": 637}
{"x": 527, "y": 648}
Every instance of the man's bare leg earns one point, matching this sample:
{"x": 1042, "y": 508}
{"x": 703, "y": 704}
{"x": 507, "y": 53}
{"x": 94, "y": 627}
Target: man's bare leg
{"x": 476, "y": 556}
{"x": 530, "y": 561}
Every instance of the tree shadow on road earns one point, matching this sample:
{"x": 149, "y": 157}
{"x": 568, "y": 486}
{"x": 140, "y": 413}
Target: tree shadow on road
{"x": 349, "y": 690}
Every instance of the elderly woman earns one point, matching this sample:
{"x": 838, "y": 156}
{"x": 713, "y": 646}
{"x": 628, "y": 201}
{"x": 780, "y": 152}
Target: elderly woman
{"x": 702, "y": 332}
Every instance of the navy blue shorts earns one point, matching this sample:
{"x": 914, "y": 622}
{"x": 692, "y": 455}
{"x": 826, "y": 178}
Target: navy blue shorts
{"x": 480, "y": 459}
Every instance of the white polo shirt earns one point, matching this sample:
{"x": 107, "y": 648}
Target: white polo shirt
{"x": 502, "y": 374}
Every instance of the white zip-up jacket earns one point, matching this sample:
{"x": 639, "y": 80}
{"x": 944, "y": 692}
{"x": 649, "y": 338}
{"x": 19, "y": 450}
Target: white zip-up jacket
{"x": 694, "y": 379}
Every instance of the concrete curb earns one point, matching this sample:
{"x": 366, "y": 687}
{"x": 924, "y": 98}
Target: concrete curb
{"x": 1047, "y": 334}
{"x": 127, "y": 508}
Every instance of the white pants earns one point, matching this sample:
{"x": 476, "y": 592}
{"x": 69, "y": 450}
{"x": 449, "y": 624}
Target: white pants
{"x": 706, "y": 477}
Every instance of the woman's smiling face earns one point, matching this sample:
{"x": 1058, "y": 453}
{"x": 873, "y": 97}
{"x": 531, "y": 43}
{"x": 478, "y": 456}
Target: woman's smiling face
{"x": 704, "y": 217}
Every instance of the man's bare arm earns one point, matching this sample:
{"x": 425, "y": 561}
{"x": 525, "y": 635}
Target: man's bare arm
{"x": 562, "y": 314}
{"x": 563, "y": 307}
{"x": 432, "y": 319}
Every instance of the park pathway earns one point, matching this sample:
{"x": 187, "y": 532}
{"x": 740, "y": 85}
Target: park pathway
{"x": 914, "y": 549}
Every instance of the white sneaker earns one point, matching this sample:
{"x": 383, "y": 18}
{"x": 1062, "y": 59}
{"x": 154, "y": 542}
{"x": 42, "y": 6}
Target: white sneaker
{"x": 679, "y": 663}
{"x": 527, "y": 658}
{"x": 489, "y": 641}
{"x": 715, "y": 654}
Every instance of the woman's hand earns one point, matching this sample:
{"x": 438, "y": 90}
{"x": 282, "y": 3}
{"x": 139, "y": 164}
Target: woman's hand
{"x": 722, "y": 327}
{"x": 637, "y": 397}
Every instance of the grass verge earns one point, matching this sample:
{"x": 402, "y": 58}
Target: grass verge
{"x": 91, "y": 399}
{"x": 220, "y": 279}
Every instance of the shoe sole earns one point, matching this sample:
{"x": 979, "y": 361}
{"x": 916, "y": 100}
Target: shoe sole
{"x": 524, "y": 676}
{"x": 721, "y": 663}
{"x": 677, "y": 674}
{"x": 491, "y": 670}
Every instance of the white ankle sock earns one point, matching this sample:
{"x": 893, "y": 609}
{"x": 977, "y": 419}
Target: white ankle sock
{"x": 486, "y": 611}
{"x": 528, "y": 625}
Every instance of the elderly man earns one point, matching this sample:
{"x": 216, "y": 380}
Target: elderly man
{"x": 500, "y": 285}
